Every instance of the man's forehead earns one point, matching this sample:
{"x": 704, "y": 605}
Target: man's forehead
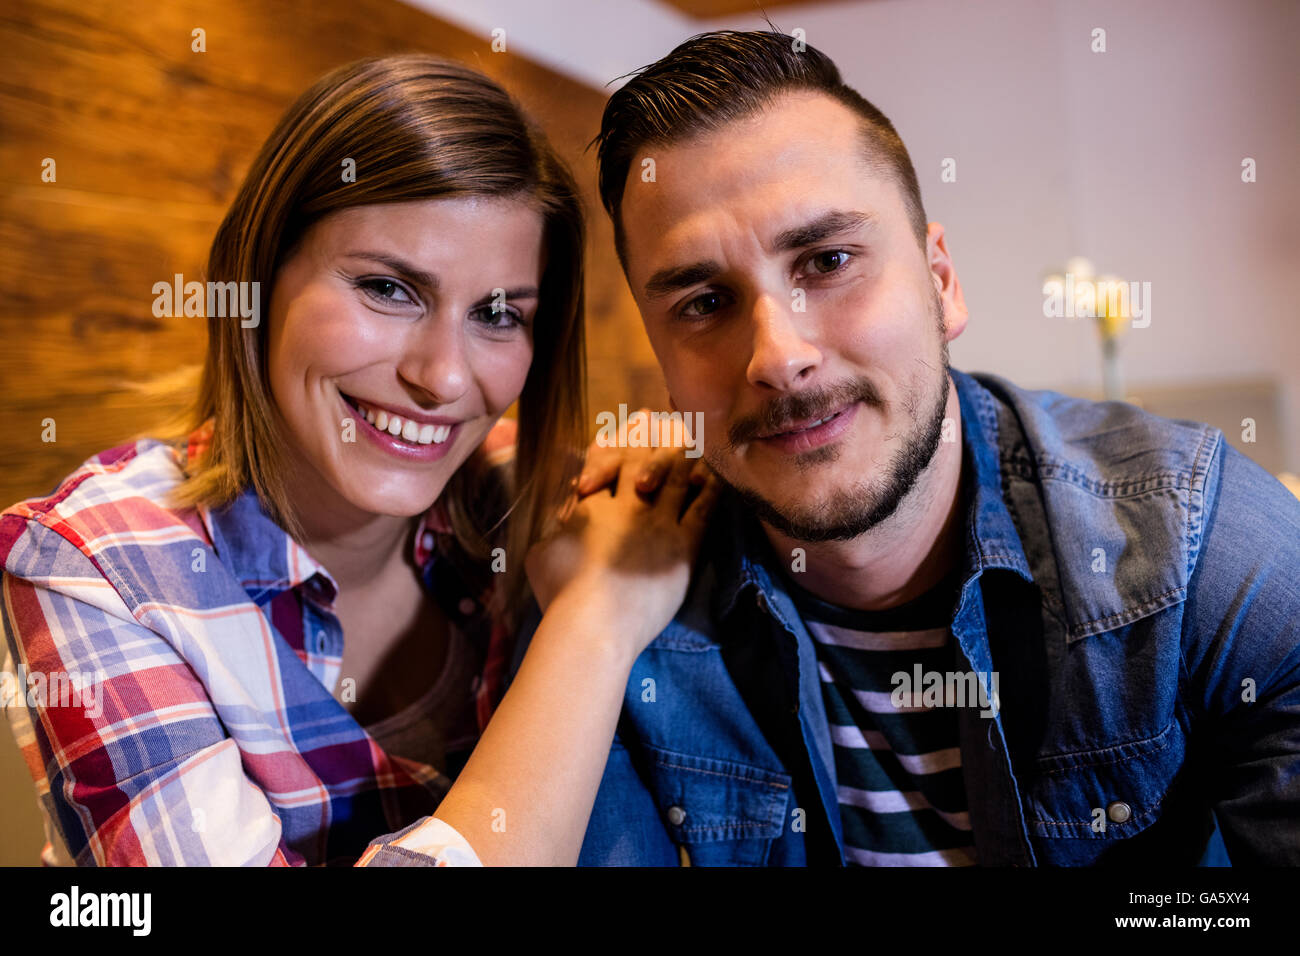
{"x": 794, "y": 129}
{"x": 761, "y": 174}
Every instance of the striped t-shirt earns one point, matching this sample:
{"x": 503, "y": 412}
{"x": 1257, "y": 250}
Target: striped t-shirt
{"x": 901, "y": 794}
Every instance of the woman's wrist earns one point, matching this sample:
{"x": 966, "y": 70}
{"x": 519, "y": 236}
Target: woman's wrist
{"x": 593, "y": 612}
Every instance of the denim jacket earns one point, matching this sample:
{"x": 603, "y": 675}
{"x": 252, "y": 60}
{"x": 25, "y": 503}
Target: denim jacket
{"x": 1133, "y": 582}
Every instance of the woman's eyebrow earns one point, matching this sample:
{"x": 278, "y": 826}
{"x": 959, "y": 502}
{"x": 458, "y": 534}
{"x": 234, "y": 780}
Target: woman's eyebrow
{"x": 400, "y": 266}
{"x": 523, "y": 292}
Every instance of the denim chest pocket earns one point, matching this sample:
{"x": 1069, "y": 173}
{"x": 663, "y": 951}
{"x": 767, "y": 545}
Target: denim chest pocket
{"x": 719, "y": 812}
{"x": 1101, "y": 796}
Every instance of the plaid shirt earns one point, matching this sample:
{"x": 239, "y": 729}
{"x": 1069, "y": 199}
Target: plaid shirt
{"x": 168, "y": 678}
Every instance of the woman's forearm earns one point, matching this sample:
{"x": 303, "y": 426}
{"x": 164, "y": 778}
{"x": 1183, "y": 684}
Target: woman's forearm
{"x": 527, "y": 791}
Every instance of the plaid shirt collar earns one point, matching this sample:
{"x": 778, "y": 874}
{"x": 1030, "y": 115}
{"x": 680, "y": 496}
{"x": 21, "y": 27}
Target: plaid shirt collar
{"x": 266, "y": 560}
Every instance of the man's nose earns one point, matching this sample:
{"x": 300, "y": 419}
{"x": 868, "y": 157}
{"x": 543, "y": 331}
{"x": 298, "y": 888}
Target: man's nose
{"x": 434, "y": 359}
{"x": 782, "y": 354}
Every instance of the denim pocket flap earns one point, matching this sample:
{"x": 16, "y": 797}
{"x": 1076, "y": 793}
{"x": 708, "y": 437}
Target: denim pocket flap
{"x": 705, "y": 799}
{"x": 1108, "y": 794}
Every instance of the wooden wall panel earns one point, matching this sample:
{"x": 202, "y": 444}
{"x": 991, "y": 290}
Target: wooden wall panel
{"x": 151, "y": 141}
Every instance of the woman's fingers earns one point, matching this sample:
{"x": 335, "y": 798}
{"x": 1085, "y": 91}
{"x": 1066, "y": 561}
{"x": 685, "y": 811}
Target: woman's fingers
{"x": 600, "y": 469}
{"x": 676, "y": 483}
{"x": 634, "y": 461}
{"x": 604, "y": 462}
{"x": 672, "y": 441}
{"x": 696, "y": 518}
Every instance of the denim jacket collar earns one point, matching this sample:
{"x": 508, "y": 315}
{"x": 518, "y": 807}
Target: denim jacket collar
{"x": 743, "y": 553}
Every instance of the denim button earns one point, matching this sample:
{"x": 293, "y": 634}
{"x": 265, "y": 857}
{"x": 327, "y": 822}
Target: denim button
{"x": 676, "y": 815}
{"x": 1119, "y": 812}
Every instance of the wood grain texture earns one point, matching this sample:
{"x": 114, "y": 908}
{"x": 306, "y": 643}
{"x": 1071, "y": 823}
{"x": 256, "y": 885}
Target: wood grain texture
{"x": 150, "y": 141}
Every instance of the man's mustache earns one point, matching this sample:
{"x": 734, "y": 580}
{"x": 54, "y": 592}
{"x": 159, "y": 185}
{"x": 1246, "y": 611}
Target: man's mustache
{"x": 781, "y": 414}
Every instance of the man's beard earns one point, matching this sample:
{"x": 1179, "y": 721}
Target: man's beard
{"x": 852, "y": 512}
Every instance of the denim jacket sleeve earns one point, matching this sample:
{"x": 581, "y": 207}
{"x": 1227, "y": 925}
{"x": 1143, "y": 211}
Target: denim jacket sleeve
{"x": 1242, "y": 659}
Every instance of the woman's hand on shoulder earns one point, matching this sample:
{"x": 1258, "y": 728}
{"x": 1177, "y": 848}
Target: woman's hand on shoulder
{"x": 628, "y": 538}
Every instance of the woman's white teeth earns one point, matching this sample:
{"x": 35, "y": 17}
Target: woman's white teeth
{"x": 410, "y": 431}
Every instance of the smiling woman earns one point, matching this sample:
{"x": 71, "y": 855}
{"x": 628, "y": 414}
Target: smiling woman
{"x": 346, "y": 472}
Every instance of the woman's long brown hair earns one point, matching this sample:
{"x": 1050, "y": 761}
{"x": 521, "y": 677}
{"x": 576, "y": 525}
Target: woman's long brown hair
{"x": 417, "y": 127}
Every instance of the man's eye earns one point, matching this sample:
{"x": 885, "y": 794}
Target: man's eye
{"x": 385, "y": 289}
{"x": 825, "y": 262}
{"x": 701, "y": 305}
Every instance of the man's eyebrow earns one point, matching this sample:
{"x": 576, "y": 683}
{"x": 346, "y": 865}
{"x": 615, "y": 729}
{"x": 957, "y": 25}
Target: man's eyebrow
{"x": 667, "y": 281}
{"x": 399, "y": 266}
{"x": 833, "y": 223}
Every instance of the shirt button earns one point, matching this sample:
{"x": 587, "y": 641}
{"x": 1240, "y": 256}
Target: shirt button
{"x": 320, "y": 642}
{"x": 1119, "y": 812}
{"x": 467, "y": 606}
{"x": 427, "y": 541}
{"x": 676, "y": 815}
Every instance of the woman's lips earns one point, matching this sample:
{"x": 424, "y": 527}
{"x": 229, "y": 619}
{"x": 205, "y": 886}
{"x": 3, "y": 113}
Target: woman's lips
{"x": 427, "y": 443}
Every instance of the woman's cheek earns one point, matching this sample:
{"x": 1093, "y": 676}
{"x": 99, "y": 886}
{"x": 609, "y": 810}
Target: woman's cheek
{"x": 338, "y": 334}
{"x": 502, "y": 369}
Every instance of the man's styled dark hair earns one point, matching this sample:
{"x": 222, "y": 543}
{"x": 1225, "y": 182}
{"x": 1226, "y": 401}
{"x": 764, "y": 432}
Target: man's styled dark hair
{"x": 714, "y": 78}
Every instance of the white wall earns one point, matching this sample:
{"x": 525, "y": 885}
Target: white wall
{"x": 1130, "y": 157}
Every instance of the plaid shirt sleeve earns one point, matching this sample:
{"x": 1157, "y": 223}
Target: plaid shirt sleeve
{"x": 427, "y": 842}
{"x": 131, "y": 764}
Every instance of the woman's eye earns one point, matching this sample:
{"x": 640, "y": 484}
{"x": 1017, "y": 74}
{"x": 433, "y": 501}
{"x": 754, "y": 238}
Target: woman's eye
{"x": 385, "y": 289}
{"x": 825, "y": 262}
{"x": 702, "y": 305}
{"x": 499, "y": 316}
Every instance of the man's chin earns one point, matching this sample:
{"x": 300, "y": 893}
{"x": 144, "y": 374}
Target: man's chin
{"x": 835, "y": 517}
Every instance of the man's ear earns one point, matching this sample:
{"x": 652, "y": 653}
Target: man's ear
{"x": 946, "y": 283}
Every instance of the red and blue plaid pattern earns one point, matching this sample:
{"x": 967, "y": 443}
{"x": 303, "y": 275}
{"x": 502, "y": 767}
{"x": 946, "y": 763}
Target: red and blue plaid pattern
{"x": 207, "y": 643}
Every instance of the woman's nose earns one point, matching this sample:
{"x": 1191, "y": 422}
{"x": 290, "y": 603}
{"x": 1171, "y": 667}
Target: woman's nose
{"x": 434, "y": 360}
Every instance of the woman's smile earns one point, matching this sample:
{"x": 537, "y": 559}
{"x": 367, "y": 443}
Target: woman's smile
{"x": 409, "y": 437}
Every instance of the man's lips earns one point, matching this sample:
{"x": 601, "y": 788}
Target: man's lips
{"x": 805, "y": 424}
{"x": 810, "y": 434}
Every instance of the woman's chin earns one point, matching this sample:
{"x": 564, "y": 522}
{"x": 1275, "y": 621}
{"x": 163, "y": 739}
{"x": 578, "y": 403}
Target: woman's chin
{"x": 395, "y": 501}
